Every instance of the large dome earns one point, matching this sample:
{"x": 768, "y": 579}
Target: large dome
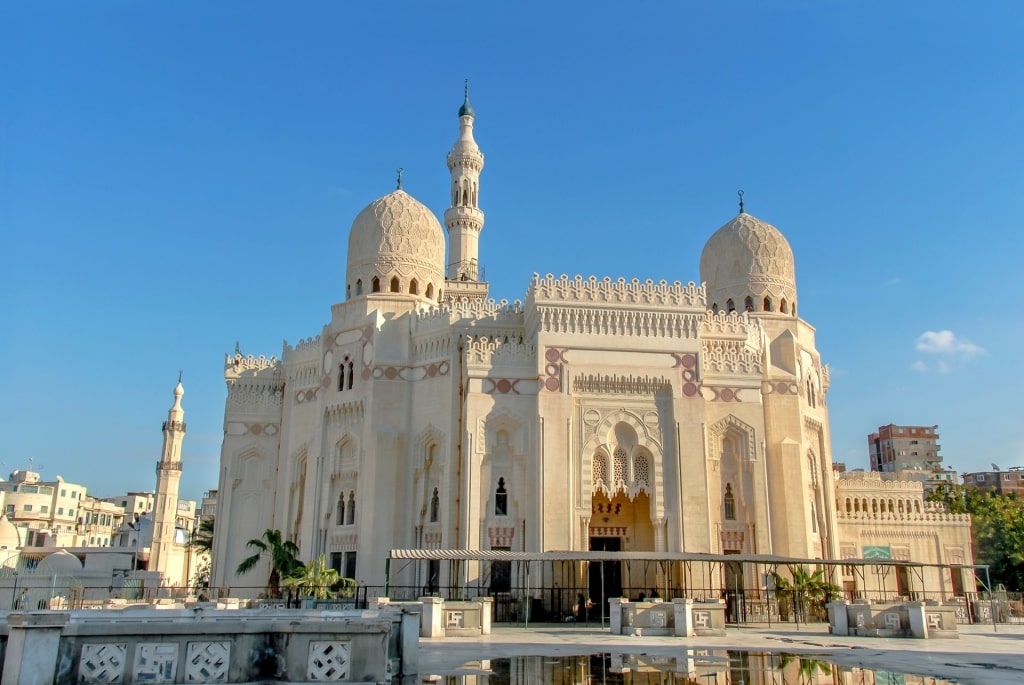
{"x": 396, "y": 245}
{"x": 748, "y": 265}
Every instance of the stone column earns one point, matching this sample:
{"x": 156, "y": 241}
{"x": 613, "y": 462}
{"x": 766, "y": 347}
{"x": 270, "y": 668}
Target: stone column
{"x": 839, "y": 618}
{"x": 615, "y": 614}
{"x": 33, "y": 643}
{"x": 683, "y": 615}
{"x": 486, "y": 614}
{"x": 432, "y": 623}
{"x": 918, "y": 620}
{"x": 410, "y": 640}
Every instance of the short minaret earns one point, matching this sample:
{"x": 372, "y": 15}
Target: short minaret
{"x": 464, "y": 219}
{"x": 168, "y": 475}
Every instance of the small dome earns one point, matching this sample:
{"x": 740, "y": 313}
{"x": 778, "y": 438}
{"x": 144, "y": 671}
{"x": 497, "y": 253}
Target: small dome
{"x": 10, "y": 537}
{"x": 61, "y": 562}
{"x": 748, "y": 258}
{"x": 400, "y": 242}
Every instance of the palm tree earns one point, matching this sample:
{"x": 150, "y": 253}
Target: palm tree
{"x": 314, "y": 580}
{"x": 283, "y": 559}
{"x": 202, "y": 541}
{"x": 805, "y": 590}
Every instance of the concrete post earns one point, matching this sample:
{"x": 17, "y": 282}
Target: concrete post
{"x": 683, "y": 615}
{"x": 615, "y": 614}
{"x": 432, "y": 624}
{"x": 486, "y": 614}
{"x": 33, "y": 643}
{"x": 410, "y": 640}
{"x": 918, "y": 620}
{"x": 838, "y": 617}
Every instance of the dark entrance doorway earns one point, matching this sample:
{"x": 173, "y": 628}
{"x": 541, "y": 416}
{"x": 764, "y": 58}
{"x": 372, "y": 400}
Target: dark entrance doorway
{"x": 605, "y": 577}
{"x": 734, "y": 596}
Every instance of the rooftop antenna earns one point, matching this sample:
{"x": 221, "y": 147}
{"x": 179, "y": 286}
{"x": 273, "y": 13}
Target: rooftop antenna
{"x": 740, "y": 193}
{"x": 400, "y": 171}
{"x": 179, "y": 375}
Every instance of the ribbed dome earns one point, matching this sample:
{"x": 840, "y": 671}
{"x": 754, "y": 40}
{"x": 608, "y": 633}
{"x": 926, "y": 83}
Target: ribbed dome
{"x": 397, "y": 240}
{"x": 61, "y": 562}
{"x": 10, "y": 537}
{"x": 748, "y": 258}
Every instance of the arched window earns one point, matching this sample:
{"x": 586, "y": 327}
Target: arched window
{"x": 600, "y": 470}
{"x": 396, "y": 287}
{"x": 714, "y": 308}
{"x": 340, "y": 518}
{"x": 376, "y": 285}
{"x": 435, "y": 507}
{"x": 848, "y": 505}
{"x": 856, "y": 505}
{"x": 748, "y": 304}
{"x": 767, "y": 304}
{"x": 430, "y": 290}
{"x": 341, "y": 376}
{"x": 350, "y": 513}
{"x": 730, "y": 306}
{"x": 359, "y": 287}
{"x": 348, "y": 292}
{"x": 501, "y": 499}
{"x": 917, "y": 507}
{"x": 414, "y": 287}
{"x": 730, "y": 503}
{"x": 783, "y": 307}
{"x": 619, "y": 465}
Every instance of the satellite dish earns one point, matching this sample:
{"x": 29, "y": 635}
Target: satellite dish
{"x": 995, "y": 467}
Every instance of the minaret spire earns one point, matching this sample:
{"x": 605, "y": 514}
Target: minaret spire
{"x": 168, "y": 475}
{"x": 463, "y": 218}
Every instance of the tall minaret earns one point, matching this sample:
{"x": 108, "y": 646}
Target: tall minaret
{"x": 168, "y": 473}
{"x": 464, "y": 218}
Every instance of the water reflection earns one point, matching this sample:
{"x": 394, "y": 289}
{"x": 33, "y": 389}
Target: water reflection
{"x": 688, "y": 667}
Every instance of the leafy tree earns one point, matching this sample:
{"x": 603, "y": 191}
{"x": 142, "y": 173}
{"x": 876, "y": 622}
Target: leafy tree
{"x": 806, "y": 592}
{"x": 316, "y": 579}
{"x": 283, "y": 559}
{"x": 997, "y": 529}
{"x": 202, "y": 541}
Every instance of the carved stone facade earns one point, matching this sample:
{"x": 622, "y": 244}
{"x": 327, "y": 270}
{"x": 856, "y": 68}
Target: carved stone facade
{"x": 592, "y": 414}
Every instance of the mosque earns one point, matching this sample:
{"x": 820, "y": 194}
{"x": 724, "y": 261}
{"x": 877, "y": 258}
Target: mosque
{"x": 594, "y": 414}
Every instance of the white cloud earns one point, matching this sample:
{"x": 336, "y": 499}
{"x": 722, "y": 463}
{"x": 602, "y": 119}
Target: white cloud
{"x": 919, "y": 366}
{"x": 946, "y": 342}
{"x": 895, "y": 280}
{"x": 943, "y": 366}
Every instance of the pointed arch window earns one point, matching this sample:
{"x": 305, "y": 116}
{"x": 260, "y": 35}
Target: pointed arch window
{"x": 729, "y": 502}
{"x": 748, "y": 304}
{"x": 783, "y": 307}
{"x": 435, "y": 507}
{"x": 730, "y": 306}
{"x": 414, "y": 287}
{"x": 340, "y": 514}
{"x": 375, "y": 287}
{"x": 619, "y": 464}
{"x": 768, "y": 304}
{"x": 430, "y": 290}
{"x": 359, "y": 287}
{"x": 501, "y": 499}
{"x": 350, "y": 511}
{"x": 714, "y": 308}
{"x": 396, "y": 287}
{"x": 600, "y": 470}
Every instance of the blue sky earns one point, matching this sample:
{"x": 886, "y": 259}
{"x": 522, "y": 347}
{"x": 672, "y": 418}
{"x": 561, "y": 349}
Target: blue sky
{"x": 175, "y": 177}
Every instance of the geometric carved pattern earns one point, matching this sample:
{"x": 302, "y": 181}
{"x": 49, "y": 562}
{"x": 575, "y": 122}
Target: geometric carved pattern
{"x": 102, "y": 663}
{"x": 207, "y": 662}
{"x": 328, "y": 660}
{"x": 155, "y": 662}
{"x": 701, "y": 619}
{"x": 641, "y": 471}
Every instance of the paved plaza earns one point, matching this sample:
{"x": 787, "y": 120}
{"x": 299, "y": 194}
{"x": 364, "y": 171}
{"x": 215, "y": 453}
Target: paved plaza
{"x": 980, "y": 657}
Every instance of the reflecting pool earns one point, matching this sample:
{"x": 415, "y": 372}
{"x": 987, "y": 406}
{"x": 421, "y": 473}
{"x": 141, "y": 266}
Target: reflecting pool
{"x": 689, "y": 667}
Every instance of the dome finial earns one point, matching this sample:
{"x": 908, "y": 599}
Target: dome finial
{"x": 740, "y": 193}
{"x": 467, "y": 109}
{"x": 400, "y": 171}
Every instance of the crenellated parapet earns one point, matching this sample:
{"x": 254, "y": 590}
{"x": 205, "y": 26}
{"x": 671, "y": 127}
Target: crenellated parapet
{"x": 238, "y": 364}
{"x": 307, "y": 349}
{"x": 907, "y": 517}
{"x": 730, "y": 357}
{"x": 500, "y": 351}
{"x": 617, "y": 322}
{"x": 469, "y": 312}
{"x": 621, "y": 385}
{"x": 733, "y": 325}
{"x": 592, "y": 290}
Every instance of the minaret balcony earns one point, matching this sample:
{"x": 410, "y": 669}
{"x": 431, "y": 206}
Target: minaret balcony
{"x": 174, "y": 426}
{"x": 468, "y": 270}
{"x": 168, "y": 466}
